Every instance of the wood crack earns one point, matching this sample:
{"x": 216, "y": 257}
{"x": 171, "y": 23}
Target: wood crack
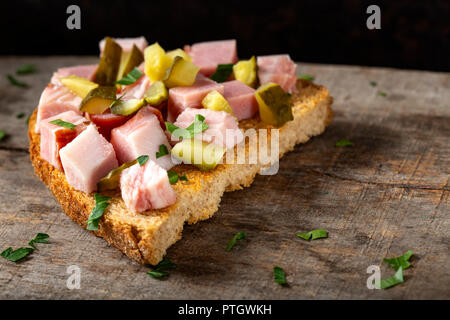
{"x": 13, "y": 149}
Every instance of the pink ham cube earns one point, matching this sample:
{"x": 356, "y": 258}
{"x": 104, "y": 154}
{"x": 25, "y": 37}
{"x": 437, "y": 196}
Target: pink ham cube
{"x": 181, "y": 98}
{"x": 222, "y": 129}
{"x": 137, "y": 89}
{"x": 85, "y": 71}
{"x": 55, "y": 137}
{"x": 87, "y": 159}
{"x": 55, "y": 100}
{"x": 141, "y": 135}
{"x": 279, "y": 69}
{"x": 241, "y": 99}
{"x": 207, "y": 55}
{"x": 146, "y": 187}
{"x": 127, "y": 43}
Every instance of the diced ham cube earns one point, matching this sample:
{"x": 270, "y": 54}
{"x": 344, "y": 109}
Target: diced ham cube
{"x": 241, "y": 99}
{"x": 146, "y": 187}
{"x": 127, "y": 43}
{"x": 222, "y": 129}
{"x": 279, "y": 69}
{"x": 141, "y": 135}
{"x": 207, "y": 55}
{"x": 84, "y": 71}
{"x": 87, "y": 159}
{"x": 54, "y": 137}
{"x": 181, "y": 98}
{"x": 137, "y": 89}
{"x": 55, "y": 100}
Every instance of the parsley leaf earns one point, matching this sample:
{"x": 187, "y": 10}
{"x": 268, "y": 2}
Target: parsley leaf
{"x": 183, "y": 178}
{"x": 373, "y": 83}
{"x": 16, "y": 255}
{"x": 20, "y": 115}
{"x": 2, "y": 134}
{"x": 160, "y": 270}
{"x": 278, "y": 275}
{"x": 240, "y": 235}
{"x": 173, "y": 177}
{"x": 26, "y": 69}
{"x": 222, "y": 73}
{"x": 162, "y": 151}
{"x": 131, "y": 77}
{"x": 16, "y": 82}
{"x": 305, "y": 77}
{"x": 142, "y": 159}
{"x": 402, "y": 261}
{"x": 344, "y": 143}
{"x": 116, "y": 100}
{"x": 396, "y": 279}
{"x": 101, "y": 203}
{"x": 382, "y": 93}
{"x": 39, "y": 238}
{"x": 313, "y": 235}
{"x": 198, "y": 126}
{"x": 64, "y": 124}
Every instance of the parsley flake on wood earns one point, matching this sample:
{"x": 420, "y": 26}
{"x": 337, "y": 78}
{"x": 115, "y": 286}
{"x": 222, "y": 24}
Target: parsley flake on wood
{"x": 160, "y": 270}
{"x": 382, "y": 93}
{"x": 313, "y": 235}
{"x": 142, "y": 159}
{"x": 2, "y": 134}
{"x": 198, "y": 126}
{"x": 238, "y": 236}
{"x": 344, "y": 143}
{"x": 20, "y": 115}
{"x": 131, "y": 77}
{"x": 101, "y": 203}
{"x": 16, "y": 82}
{"x": 279, "y": 276}
{"x": 305, "y": 77}
{"x": 396, "y": 279}
{"x": 373, "y": 83}
{"x": 64, "y": 124}
{"x": 401, "y": 261}
{"x": 223, "y": 72}
{"x": 26, "y": 69}
{"x": 162, "y": 151}
{"x": 39, "y": 238}
{"x": 16, "y": 255}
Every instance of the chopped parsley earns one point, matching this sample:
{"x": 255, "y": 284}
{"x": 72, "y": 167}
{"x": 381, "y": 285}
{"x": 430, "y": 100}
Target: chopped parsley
{"x": 173, "y": 177}
{"x": 305, "y": 77}
{"x": 223, "y": 72}
{"x": 162, "y": 151}
{"x": 279, "y": 276}
{"x": 396, "y": 279}
{"x": 20, "y": 115}
{"x": 64, "y": 124}
{"x": 402, "y": 261}
{"x": 373, "y": 83}
{"x": 344, "y": 143}
{"x": 26, "y": 69}
{"x": 313, "y": 235}
{"x": 20, "y": 253}
{"x": 2, "y": 134}
{"x": 131, "y": 77}
{"x": 16, "y": 82}
{"x": 240, "y": 235}
{"x": 39, "y": 238}
{"x": 382, "y": 93}
{"x": 160, "y": 270}
{"x": 142, "y": 159}
{"x": 183, "y": 178}
{"x": 101, "y": 203}
{"x": 198, "y": 126}
{"x": 116, "y": 100}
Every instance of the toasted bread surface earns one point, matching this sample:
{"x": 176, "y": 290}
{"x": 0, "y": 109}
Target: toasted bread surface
{"x": 145, "y": 237}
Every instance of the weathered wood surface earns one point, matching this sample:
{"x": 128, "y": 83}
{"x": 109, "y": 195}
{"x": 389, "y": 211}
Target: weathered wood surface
{"x": 386, "y": 194}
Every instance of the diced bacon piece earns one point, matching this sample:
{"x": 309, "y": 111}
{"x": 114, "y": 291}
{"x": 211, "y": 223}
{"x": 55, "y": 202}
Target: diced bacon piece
{"x": 207, "y": 55}
{"x": 137, "y": 89}
{"x": 108, "y": 121}
{"x": 141, "y": 135}
{"x": 222, "y": 129}
{"x": 87, "y": 159}
{"x": 181, "y": 98}
{"x": 241, "y": 99}
{"x": 84, "y": 71}
{"x": 279, "y": 69}
{"x": 146, "y": 187}
{"x": 127, "y": 43}
{"x": 55, "y": 100}
{"x": 54, "y": 137}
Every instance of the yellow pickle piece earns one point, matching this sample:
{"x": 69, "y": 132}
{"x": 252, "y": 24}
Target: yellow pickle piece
{"x": 80, "y": 86}
{"x": 203, "y": 155}
{"x": 156, "y": 62}
{"x": 275, "y": 107}
{"x": 98, "y": 100}
{"x": 127, "y": 107}
{"x": 112, "y": 180}
{"x": 245, "y": 71}
{"x": 180, "y": 53}
{"x": 215, "y": 101}
{"x": 109, "y": 64}
{"x": 156, "y": 93}
{"x": 181, "y": 73}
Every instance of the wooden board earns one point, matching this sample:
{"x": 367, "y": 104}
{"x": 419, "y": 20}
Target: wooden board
{"x": 386, "y": 194}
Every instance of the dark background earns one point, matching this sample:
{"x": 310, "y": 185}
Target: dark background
{"x": 414, "y": 34}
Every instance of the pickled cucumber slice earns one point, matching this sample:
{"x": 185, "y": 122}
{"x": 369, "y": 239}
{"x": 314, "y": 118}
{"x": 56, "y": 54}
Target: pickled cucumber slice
{"x": 156, "y": 62}
{"x": 245, "y": 71}
{"x": 112, "y": 180}
{"x": 108, "y": 66}
{"x": 275, "y": 107}
{"x": 181, "y": 73}
{"x": 180, "y": 53}
{"x": 127, "y": 107}
{"x": 215, "y": 101}
{"x": 156, "y": 93}
{"x": 98, "y": 100}
{"x": 79, "y": 86}
{"x": 203, "y": 155}
{"x": 130, "y": 61}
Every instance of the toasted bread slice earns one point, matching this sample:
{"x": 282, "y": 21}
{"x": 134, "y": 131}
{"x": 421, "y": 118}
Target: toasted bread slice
{"x": 145, "y": 237}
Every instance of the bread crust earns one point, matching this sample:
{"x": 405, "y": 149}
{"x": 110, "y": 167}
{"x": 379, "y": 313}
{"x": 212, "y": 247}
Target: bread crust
{"x": 145, "y": 237}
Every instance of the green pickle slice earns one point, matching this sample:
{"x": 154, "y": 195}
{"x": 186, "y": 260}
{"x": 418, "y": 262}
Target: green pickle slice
{"x": 275, "y": 107}
{"x": 98, "y": 100}
{"x": 130, "y": 61}
{"x": 156, "y": 93}
{"x": 127, "y": 107}
{"x": 203, "y": 155}
{"x": 112, "y": 180}
{"x": 180, "y": 73}
{"x": 109, "y": 64}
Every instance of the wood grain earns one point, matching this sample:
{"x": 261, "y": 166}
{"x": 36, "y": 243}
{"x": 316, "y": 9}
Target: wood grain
{"x": 386, "y": 194}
